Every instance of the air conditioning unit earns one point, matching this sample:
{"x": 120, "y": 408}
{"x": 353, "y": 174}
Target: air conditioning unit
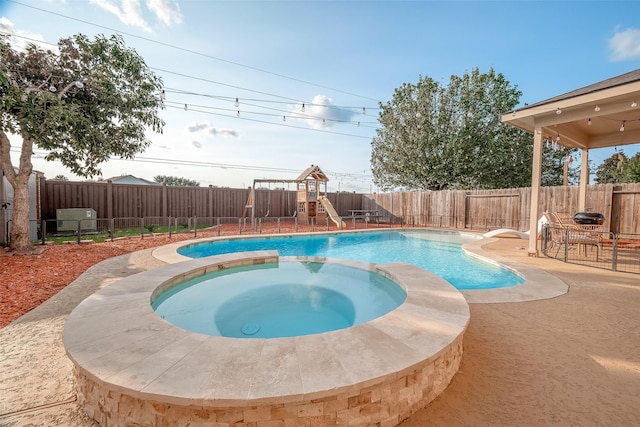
{"x": 67, "y": 220}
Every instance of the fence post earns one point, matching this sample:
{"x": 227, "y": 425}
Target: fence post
{"x": 43, "y": 230}
{"x": 195, "y": 226}
{"x": 169, "y": 226}
{"x": 566, "y": 244}
{"x": 218, "y": 225}
{"x": 278, "y": 225}
{"x": 78, "y": 230}
{"x": 141, "y": 228}
{"x": 112, "y": 230}
{"x": 614, "y": 260}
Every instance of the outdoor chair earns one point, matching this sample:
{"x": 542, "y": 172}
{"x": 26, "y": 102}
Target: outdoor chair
{"x": 563, "y": 231}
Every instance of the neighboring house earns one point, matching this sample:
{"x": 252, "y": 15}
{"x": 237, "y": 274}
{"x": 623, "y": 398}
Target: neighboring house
{"x": 130, "y": 179}
{"x": 6, "y": 206}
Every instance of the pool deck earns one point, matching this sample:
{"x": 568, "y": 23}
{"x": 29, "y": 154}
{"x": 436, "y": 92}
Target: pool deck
{"x": 568, "y": 360}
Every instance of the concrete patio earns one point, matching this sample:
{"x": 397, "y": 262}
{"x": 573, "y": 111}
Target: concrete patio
{"x": 569, "y": 360}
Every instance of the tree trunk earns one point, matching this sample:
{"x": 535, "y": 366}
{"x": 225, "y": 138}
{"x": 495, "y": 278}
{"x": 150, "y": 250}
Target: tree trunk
{"x": 19, "y": 236}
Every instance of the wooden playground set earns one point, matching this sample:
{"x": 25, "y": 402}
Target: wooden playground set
{"x": 312, "y": 203}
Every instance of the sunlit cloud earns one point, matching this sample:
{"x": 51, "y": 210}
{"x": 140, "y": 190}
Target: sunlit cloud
{"x": 322, "y": 112}
{"x": 167, "y": 12}
{"x": 625, "y": 45}
{"x": 21, "y": 39}
{"x": 130, "y": 12}
{"x": 206, "y": 128}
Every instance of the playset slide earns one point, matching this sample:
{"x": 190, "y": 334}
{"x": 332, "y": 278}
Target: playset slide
{"x": 331, "y": 212}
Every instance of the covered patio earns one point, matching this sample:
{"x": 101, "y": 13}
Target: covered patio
{"x": 604, "y": 114}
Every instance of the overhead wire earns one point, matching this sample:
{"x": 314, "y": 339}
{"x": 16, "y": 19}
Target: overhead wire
{"x": 195, "y": 52}
{"x": 310, "y": 104}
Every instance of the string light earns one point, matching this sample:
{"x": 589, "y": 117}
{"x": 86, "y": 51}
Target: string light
{"x": 237, "y": 103}
{"x": 163, "y": 96}
{"x": 558, "y": 111}
{"x": 302, "y": 109}
{"x": 634, "y": 104}
{"x": 238, "y": 115}
{"x": 364, "y": 111}
{"x": 589, "y": 122}
{"x": 186, "y": 107}
{"x": 622, "y": 126}
{"x": 597, "y": 108}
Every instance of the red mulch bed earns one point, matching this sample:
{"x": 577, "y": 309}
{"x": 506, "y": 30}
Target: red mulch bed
{"x": 26, "y": 281}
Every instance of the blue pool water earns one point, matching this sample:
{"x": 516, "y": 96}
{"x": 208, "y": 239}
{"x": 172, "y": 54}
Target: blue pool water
{"x": 440, "y": 253}
{"x": 284, "y": 299}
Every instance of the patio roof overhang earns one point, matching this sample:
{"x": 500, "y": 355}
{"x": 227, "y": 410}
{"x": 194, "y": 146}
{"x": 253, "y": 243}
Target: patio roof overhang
{"x": 604, "y": 114}
{"x": 590, "y": 117}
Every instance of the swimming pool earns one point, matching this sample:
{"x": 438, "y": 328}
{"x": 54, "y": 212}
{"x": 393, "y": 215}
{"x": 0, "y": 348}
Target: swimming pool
{"x": 296, "y": 298}
{"x": 438, "y": 252}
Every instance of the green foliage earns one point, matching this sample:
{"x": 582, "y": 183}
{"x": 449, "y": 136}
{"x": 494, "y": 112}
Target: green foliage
{"x": 60, "y": 178}
{"x": 436, "y": 137}
{"x": 610, "y": 170}
{"x": 631, "y": 169}
{"x": 175, "y": 181}
{"x": 92, "y": 100}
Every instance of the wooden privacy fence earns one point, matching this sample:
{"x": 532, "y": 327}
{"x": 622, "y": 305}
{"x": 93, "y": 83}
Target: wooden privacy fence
{"x": 123, "y": 200}
{"x": 508, "y": 208}
{"x": 481, "y": 209}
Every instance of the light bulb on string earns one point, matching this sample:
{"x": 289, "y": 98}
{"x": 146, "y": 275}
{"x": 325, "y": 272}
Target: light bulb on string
{"x": 186, "y": 107}
{"x": 284, "y": 118}
{"x": 589, "y": 121}
{"x": 364, "y": 111}
{"x": 238, "y": 114}
{"x": 634, "y": 104}
{"x": 237, "y": 103}
{"x": 622, "y": 127}
{"x": 597, "y": 108}
{"x": 163, "y": 96}
{"x": 52, "y": 88}
{"x": 558, "y": 110}
{"x": 302, "y": 109}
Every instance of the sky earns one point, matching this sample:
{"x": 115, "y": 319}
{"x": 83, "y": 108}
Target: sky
{"x": 337, "y": 59}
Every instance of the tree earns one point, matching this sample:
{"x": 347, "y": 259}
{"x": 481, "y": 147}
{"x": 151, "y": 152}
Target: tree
{"x": 631, "y": 169}
{"x": 610, "y": 170}
{"x": 90, "y": 100}
{"x": 435, "y": 137}
{"x": 176, "y": 181}
{"x": 60, "y": 178}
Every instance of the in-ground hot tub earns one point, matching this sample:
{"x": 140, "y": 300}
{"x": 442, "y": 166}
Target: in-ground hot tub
{"x": 132, "y": 366}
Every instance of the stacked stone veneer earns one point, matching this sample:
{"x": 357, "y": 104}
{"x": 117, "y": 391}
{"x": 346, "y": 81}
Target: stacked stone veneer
{"x": 383, "y": 404}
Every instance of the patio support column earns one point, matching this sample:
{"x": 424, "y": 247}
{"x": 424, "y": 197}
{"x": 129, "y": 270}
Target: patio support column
{"x": 536, "y": 178}
{"x": 584, "y": 180}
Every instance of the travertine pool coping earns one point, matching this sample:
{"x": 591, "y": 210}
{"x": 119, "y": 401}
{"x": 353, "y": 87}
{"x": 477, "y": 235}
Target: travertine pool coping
{"x": 126, "y": 356}
{"x": 538, "y": 284}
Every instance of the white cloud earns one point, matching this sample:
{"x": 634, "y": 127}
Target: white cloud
{"x": 130, "y": 12}
{"x": 323, "y": 113}
{"x": 206, "y": 128}
{"x": 20, "y": 39}
{"x": 167, "y": 11}
{"x": 625, "y": 45}
{"x": 196, "y": 144}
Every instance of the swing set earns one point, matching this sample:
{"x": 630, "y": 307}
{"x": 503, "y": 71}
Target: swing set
{"x": 312, "y": 203}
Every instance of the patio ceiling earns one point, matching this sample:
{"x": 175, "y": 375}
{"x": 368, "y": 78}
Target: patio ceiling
{"x": 587, "y": 118}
